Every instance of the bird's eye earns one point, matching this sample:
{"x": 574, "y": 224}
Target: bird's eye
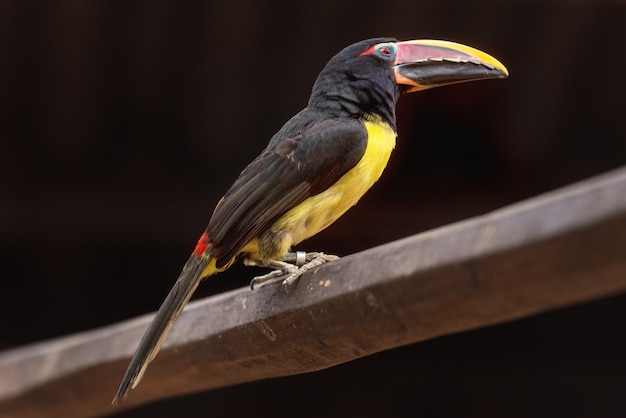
{"x": 386, "y": 51}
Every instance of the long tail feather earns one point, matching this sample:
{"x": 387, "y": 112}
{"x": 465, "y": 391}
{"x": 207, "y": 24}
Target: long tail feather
{"x": 172, "y": 306}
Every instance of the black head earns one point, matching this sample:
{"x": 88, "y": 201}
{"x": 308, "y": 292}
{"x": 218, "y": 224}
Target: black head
{"x": 358, "y": 81}
{"x": 368, "y": 76}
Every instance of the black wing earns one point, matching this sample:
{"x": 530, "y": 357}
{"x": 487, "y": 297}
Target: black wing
{"x": 290, "y": 170}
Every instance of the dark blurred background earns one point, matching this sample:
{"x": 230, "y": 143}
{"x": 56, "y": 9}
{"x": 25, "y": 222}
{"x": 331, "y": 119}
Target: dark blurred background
{"x": 122, "y": 124}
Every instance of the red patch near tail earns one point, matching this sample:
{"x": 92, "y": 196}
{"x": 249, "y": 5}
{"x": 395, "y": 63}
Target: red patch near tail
{"x": 203, "y": 242}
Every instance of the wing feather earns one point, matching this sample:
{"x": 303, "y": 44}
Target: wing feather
{"x": 284, "y": 175}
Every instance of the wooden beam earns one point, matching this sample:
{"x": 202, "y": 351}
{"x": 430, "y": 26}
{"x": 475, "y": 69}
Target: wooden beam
{"x": 555, "y": 250}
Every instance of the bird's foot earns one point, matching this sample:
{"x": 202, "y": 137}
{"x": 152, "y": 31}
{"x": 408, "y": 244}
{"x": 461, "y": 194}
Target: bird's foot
{"x": 294, "y": 265}
{"x": 312, "y": 260}
{"x": 281, "y": 268}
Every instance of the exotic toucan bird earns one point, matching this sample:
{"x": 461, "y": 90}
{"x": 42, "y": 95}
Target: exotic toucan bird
{"x": 315, "y": 168}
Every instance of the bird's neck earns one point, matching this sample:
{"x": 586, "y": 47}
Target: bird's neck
{"x": 361, "y": 99}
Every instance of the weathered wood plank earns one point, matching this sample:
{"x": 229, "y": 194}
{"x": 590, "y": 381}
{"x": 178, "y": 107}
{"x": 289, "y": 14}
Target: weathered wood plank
{"x": 555, "y": 250}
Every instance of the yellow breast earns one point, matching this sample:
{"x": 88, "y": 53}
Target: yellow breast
{"x": 319, "y": 211}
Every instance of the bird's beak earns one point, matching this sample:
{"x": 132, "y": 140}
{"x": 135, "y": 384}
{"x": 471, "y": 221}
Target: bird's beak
{"x": 425, "y": 63}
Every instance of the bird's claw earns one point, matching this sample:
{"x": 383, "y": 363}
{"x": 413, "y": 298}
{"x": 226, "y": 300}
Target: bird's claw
{"x": 294, "y": 265}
